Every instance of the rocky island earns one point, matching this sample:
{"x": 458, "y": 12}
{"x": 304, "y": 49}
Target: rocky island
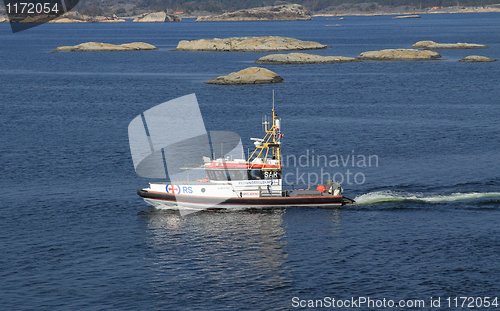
{"x": 71, "y": 17}
{"x": 43, "y": 18}
{"x": 288, "y": 12}
{"x": 65, "y": 20}
{"x": 158, "y": 17}
{"x": 399, "y": 54}
{"x": 477, "y": 59}
{"x": 98, "y": 19}
{"x": 431, "y": 45}
{"x": 406, "y": 16}
{"x": 106, "y": 47}
{"x": 303, "y": 58}
{"x": 248, "y": 44}
{"x": 251, "y": 75}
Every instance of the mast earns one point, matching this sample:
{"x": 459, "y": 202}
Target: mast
{"x": 273, "y": 101}
{"x": 270, "y": 142}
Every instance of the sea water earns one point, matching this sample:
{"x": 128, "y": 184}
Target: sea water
{"x": 75, "y": 235}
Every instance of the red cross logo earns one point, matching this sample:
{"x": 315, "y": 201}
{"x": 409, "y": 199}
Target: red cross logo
{"x": 172, "y": 189}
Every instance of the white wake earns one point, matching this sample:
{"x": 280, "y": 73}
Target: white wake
{"x": 396, "y": 196}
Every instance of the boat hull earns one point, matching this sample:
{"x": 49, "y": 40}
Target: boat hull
{"x": 166, "y": 200}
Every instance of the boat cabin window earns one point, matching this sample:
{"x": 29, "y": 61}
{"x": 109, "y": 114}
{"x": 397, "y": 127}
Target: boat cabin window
{"x": 216, "y": 175}
{"x": 254, "y": 174}
{"x": 222, "y": 175}
{"x": 237, "y": 174}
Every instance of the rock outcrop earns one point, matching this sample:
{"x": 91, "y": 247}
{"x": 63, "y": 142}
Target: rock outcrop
{"x": 37, "y": 19}
{"x": 431, "y": 45}
{"x": 477, "y": 59}
{"x": 303, "y": 58}
{"x": 74, "y": 17}
{"x": 248, "y": 44}
{"x": 251, "y": 75}
{"x": 399, "y": 54}
{"x": 289, "y": 12}
{"x": 71, "y": 17}
{"x": 105, "y": 47}
{"x": 111, "y": 20}
{"x": 66, "y": 20}
{"x": 173, "y": 18}
{"x": 406, "y": 16}
{"x": 158, "y": 17}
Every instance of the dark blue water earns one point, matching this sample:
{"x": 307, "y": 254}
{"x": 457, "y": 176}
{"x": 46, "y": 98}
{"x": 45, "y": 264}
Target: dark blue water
{"x": 75, "y": 236}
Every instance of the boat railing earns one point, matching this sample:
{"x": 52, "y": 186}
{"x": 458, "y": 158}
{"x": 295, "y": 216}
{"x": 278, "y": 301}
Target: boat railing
{"x": 272, "y": 193}
{"x": 300, "y": 186}
{"x": 264, "y": 191}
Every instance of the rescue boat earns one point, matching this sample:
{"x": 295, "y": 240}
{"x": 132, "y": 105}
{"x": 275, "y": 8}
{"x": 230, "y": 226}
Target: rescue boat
{"x": 254, "y": 182}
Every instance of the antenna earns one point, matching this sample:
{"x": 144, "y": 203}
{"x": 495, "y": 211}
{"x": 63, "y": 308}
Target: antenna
{"x": 273, "y": 99}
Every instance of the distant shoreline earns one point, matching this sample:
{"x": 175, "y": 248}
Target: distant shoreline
{"x": 384, "y": 13}
{"x": 449, "y": 10}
